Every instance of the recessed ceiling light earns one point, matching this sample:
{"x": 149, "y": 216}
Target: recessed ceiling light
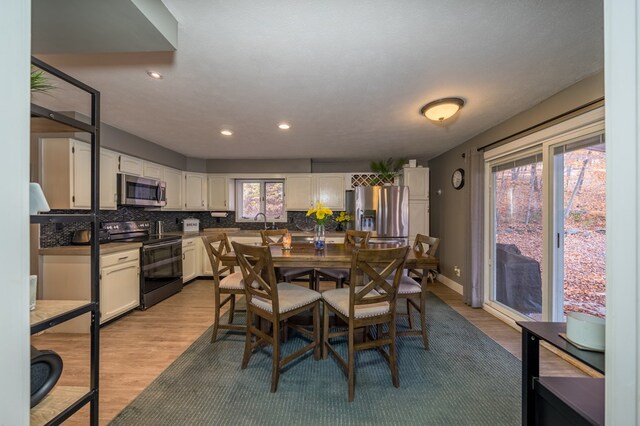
{"x": 226, "y": 132}
{"x": 284, "y": 126}
{"x": 154, "y": 74}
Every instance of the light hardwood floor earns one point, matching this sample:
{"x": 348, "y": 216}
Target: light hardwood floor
{"x": 138, "y": 347}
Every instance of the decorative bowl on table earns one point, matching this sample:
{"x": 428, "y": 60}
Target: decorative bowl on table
{"x": 586, "y": 331}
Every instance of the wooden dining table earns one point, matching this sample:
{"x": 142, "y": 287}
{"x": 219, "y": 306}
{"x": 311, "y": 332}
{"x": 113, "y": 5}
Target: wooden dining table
{"x": 334, "y": 256}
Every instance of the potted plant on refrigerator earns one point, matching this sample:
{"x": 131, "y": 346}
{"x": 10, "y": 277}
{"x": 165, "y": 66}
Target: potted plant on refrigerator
{"x": 387, "y": 170}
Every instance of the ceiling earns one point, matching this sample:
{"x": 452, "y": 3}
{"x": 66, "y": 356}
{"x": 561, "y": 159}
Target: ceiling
{"x": 349, "y": 77}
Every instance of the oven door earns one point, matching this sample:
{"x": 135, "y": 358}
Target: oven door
{"x": 161, "y": 264}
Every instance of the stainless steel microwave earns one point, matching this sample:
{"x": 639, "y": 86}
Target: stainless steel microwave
{"x": 139, "y": 191}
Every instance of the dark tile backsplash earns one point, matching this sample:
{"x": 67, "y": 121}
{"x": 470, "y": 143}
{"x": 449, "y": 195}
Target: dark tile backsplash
{"x": 52, "y": 235}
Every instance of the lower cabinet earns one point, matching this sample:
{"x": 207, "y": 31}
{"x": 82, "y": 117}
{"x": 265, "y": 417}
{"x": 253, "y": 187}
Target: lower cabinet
{"x": 119, "y": 284}
{"x": 67, "y": 277}
{"x": 190, "y": 268}
{"x": 207, "y": 270}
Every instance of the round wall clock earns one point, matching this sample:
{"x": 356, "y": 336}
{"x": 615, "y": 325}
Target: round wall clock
{"x": 457, "y": 179}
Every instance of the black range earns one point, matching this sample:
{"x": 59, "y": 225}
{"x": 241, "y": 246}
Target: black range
{"x": 160, "y": 259}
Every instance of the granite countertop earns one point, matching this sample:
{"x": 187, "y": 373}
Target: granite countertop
{"x": 106, "y": 248}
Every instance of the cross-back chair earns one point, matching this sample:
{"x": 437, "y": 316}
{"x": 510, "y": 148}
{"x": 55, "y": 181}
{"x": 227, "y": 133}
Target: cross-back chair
{"x": 274, "y": 236}
{"x": 340, "y": 275}
{"x": 230, "y": 285}
{"x": 275, "y": 302}
{"x": 411, "y": 289}
{"x": 369, "y": 301}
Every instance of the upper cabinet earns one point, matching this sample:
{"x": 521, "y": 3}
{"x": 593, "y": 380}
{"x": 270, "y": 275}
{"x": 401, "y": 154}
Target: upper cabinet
{"x": 329, "y": 190}
{"x": 298, "y": 192}
{"x": 130, "y": 165}
{"x": 218, "y": 193}
{"x": 108, "y": 179}
{"x": 195, "y": 191}
{"x": 417, "y": 179}
{"x": 152, "y": 170}
{"x": 174, "y": 181}
{"x": 65, "y": 174}
{"x": 302, "y": 191}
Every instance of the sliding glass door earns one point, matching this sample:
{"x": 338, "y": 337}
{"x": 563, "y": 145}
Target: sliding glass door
{"x": 579, "y": 232}
{"x": 545, "y": 228}
{"x": 517, "y": 235}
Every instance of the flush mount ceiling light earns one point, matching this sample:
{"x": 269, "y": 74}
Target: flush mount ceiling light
{"x": 442, "y": 109}
{"x": 154, "y": 74}
{"x": 284, "y": 126}
{"x": 226, "y": 132}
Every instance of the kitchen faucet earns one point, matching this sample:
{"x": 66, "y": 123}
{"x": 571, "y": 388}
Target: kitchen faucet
{"x": 264, "y": 216}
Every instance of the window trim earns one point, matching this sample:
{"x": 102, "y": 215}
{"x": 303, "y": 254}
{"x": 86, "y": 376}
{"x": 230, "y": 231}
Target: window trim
{"x": 262, "y": 182}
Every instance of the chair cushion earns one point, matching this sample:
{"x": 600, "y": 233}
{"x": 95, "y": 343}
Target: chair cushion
{"x": 232, "y": 281}
{"x": 336, "y": 273}
{"x": 339, "y": 300}
{"x": 290, "y": 297}
{"x": 407, "y": 285}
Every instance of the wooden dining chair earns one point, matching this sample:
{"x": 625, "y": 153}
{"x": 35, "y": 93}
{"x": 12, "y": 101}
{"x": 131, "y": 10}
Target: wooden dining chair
{"x": 231, "y": 285}
{"x": 340, "y": 275}
{"x": 274, "y": 236}
{"x": 411, "y": 290}
{"x": 274, "y": 302}
{"x": 369, "y": 301}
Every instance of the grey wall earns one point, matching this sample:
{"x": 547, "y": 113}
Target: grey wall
{"x": 340, "y": 166}
{"x": 125, "y": 142}
{"x": 259, "y": 166}
{"x": 449, "y": 212}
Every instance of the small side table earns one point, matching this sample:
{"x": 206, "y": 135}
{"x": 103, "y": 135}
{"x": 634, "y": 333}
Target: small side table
{"x": 558, "y": 400}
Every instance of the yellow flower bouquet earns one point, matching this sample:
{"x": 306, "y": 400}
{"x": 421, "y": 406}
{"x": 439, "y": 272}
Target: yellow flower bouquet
{"x": 343, "y": 221}
{"x": 320, "y": 214}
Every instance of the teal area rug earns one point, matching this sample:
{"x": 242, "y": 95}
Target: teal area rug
{"x": 465, "y": 379}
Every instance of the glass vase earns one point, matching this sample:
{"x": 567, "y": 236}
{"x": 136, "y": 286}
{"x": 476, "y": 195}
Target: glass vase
{"x": 318, "y": 236}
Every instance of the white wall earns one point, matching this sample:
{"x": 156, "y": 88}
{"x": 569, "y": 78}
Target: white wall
{"x": 15, "y": 21}
{"x": 622, "y": 97}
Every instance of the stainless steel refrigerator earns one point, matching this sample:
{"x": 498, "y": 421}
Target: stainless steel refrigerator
{"x": 382, "y": 210}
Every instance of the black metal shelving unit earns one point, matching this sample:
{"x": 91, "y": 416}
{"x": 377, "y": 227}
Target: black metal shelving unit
{"x": 65, "y": 401}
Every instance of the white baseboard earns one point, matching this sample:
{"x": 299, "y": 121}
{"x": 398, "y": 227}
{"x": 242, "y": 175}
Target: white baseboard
{"x": 450, "y": 283}
{"x": 496, "y": 313}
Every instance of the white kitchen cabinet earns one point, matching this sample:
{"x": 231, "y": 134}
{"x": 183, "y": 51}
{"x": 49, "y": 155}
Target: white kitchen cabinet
{"x": 67, "y": 277}
{"x": 418, "y": 218}
{"x": 329, "y": 190}
{"x": 108, "y": 179}
{"x": 206, "y": 269}
{"x": 130, "y": 165}
{"x": 119, "y": 284}
{"x": 189, "y": 260}
{"x": 173, "y": 180}
{"x": 152, "y": 170}
{"x": 417, "y": 179}
{"x": 218, "y": 193}
{"x": 65, "y": 174}
{"x": 298, "y": 192}
{"x": 195, "y": 191}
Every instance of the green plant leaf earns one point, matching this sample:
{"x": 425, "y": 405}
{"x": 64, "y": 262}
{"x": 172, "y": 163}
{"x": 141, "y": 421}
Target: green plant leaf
{"x": 39, "y": 81}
